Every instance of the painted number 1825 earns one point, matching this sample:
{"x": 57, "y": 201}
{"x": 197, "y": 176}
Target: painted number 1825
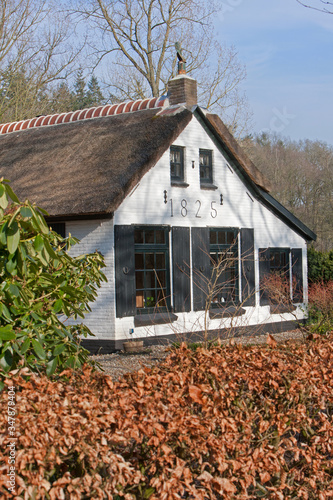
{"x": 184, "y": 208}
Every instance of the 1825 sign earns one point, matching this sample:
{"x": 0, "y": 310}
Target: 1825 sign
{"x": 183, "y": 207}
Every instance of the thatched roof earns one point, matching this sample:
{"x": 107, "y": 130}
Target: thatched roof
{"x": 237, "y": 153}
{"x": 89, "y": 166}
{"x": 86, "y": 168}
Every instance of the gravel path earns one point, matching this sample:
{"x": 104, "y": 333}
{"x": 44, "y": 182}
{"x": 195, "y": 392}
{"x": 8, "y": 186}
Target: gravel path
{"x": 119, "y": 363}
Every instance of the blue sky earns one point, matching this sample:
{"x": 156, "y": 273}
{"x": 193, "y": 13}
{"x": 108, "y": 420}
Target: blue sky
{"x": 288, "y": 52}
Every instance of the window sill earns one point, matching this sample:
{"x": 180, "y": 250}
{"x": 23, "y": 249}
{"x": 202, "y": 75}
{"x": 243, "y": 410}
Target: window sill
{"x": 208, "y": 187}
{"x": 154, "y": 319}
{"x": 181, "y": 184}
{"x": 281, "y": 308}
{"x": 226, "y": 312}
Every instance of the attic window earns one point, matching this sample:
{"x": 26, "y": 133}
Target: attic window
{"x": 177, "y": 164}
{"x": 206, "y": 166}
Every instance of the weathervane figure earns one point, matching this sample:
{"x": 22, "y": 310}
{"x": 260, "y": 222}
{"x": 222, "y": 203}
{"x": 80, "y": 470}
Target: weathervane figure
{"x": 181, "y": 60}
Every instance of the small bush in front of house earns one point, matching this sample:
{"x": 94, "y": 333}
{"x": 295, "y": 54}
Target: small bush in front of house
{"x": 321, "y": 306}
{"x": 41, "y": 286}
{"x": 233, "y": 422}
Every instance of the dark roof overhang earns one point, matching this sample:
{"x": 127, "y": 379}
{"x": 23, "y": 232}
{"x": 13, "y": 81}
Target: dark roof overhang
{"x": 84, "y": 216}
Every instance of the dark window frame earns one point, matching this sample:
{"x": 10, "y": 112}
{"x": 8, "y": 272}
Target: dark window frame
{"x": 177, "y": 165}
{"x": 218, "y": 247}
{"x": 204, "y": 179}
{"x": 152, "y": 248}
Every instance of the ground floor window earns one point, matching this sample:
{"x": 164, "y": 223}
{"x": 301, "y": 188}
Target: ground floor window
{"x": 223, "y": 252}
{"x": 152, "y": 277}
{"x": 274, "y": 271}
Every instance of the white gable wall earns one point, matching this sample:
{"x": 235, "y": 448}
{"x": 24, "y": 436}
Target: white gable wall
{"x": 195, "y": 207}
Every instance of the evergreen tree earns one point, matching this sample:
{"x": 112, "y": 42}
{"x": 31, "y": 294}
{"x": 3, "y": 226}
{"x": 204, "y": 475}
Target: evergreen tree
{"x": 94, "y": 96}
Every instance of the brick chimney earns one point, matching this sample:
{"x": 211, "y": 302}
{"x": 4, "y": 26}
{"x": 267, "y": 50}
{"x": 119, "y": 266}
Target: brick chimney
{"x": 182, "y": 89}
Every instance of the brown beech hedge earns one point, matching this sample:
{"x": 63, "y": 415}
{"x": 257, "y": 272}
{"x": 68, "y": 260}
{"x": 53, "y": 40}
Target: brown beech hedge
{"x": 225, "y": 423}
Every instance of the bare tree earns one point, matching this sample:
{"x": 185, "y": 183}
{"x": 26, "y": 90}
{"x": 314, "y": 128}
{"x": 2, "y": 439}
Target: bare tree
{"x": 138, "y": 37}
{"x": 35, "y": 51}
{"x": 319, "y": 6}
{"x": 301, "y": 174}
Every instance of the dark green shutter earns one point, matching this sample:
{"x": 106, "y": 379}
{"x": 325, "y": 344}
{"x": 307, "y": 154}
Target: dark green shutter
{"x": 125, "y": 270}
{"x": 201, "y": 266}
{"x": 247, "y": 266}
{"x": 181, "y": 269}
{"x": 297, "y": 273}
{"x": 264, "y": 272}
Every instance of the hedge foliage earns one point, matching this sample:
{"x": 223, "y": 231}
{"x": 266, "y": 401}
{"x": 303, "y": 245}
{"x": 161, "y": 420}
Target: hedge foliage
{"x": 41, "y": 286}
{"x": 236, "y": 422}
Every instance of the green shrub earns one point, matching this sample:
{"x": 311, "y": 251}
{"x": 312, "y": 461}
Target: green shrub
{"x": 41, "y": 286}
{"x": 320, "y": 265}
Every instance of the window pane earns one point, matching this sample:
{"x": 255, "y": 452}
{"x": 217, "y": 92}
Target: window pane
{"x": 150, "y": 279}
{"x": 161, "y": 299}
{"x": 138, "y": 236}
{"x": 139, "y": 261}
{"x": 212, "y": 237}
{"x": 139, "y": 300}
{"x": 160, "y": 261}
{"x": 150, "y": 300}
{"x": 160, "y": 236}
{"x": 177, "y": 163}
{"x": 149, "y": 261}
{"x": 149, "y": 236}
{"x": 221, "y": 237}
{"x": 230, "y": 237}
{"x": 161, "y": 279}
{"x": 139, "y": 279}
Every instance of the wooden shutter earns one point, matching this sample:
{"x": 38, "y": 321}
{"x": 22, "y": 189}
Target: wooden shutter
{"x": 201, "y": 266}
{"x": 181, "y": 269}
{"x": 297, "y": 273}
{"x": 125, "y": 271}
{"x": 264, "y": 271}
{"x": 247, "y": 266}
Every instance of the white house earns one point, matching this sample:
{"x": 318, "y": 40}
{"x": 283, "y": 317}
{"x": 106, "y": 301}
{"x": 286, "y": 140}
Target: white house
{"x": 164, "y": 192}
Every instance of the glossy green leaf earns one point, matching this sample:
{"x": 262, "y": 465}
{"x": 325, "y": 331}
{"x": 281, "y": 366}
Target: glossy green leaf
{"x": 11, "y": 193}
{"x": 3, "y": 197}
{"x": 58, "y": 306}
{"x": 11, "y": 266}
{"x": 6, "y": 333}
{"x": 51, "y": 366}
{"x": 59, "y": 349}
{"x": 25, "y": 212}
{"x": 14, "y": 290}
{"x": 6, "y": 360}
{"x": 13, "y": 237}
{"x": 38, "y": 349}
{"x": 39, "y": 243}
{"x": 5, "y": 312}
{"x": 25, "y": 346}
